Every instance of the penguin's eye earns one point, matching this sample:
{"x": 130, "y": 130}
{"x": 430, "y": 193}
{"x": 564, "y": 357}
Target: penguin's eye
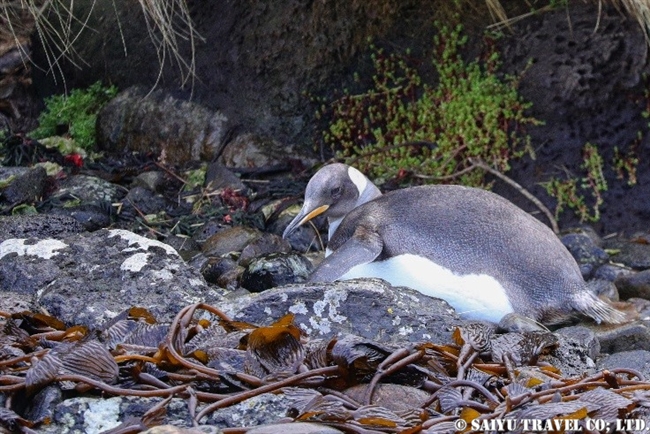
{"x": 336, "y": 192}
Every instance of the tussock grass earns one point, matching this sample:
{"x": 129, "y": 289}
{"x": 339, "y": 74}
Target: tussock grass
{"x": 59, "y": 29}
{"x": 639, "y": 10}
{"x": 16, "y": 24}
{"x": 168, "y": 25}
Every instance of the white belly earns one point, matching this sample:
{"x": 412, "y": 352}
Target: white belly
{"x": 474, "y": 296}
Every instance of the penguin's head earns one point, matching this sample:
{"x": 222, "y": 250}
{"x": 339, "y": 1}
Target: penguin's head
{"x": 334, "y": 191}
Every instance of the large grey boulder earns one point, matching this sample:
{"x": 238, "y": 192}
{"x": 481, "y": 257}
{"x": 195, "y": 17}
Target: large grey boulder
{"x": 369, "y": 308}
{"x": 89, "y": 278}
{"x": 138, "y": 120}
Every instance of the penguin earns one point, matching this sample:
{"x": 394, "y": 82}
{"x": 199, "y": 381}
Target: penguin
{"x": 470, "y": 247}
{"x": 334, "y": 191}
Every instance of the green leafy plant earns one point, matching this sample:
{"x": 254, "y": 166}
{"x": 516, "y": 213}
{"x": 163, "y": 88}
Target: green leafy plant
{"x": 625, "y": 164}
{"x": 194, "y": 178}
{"x": 565, "y": 192}
{"x": 24, "y": 209}
{"x": 569, "y": 194}
{"x": 407, "y": 131}
{"x": 575, "y": 192}
{"x": 76, "y": 112}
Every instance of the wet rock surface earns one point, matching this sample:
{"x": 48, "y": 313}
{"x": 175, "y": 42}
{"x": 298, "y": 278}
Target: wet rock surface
{"x": 95, "y": 415}
{"x": 634, "y": 359}
{"x": 578, "y": 350}
{"x": 634, "y": 285}
{"x": 628, "y": 337}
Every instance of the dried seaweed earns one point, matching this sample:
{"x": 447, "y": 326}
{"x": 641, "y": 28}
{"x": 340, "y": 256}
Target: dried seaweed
{"x": 217, "y": 362}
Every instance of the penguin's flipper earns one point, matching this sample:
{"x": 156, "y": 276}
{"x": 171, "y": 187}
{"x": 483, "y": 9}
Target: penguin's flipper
{"x": 362, "y": 248}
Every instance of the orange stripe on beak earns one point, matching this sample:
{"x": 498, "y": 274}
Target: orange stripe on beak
{"x": 316, "y": 212}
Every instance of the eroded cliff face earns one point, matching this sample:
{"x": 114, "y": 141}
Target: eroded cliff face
{"x": 583, "y": 70}
{"x": 258, "y": 62}
{"x": 256, "y": 59}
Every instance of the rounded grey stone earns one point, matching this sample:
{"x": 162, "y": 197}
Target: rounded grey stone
{"x": 635, "y": 359}
{"x": 294, "y": 428}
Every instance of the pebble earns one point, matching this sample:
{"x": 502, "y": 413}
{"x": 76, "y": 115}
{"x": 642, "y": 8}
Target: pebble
{"x": 275, "y": 269}
{"x": 635, "y": 255}
{"x": 265, "y": 244}
{"x": 232, "y": 239}
{"x": 217, "y": 176}
{"x": 26, "y": 187}
{"x": 92, "y": 217}
{"x": 143, "y": 201}
{"x": 85, "y": 188}
{"x": 625, "y": 337}
{"x": 152, "y": 180}
{"x": 395, "y": 397}
{"x": 611, "y": 271}
{"x": 215, "y": 268}
{"x": 634, "y": 285}
{"x": 256, "y": 151}
{"x": 586, "y": 251}
{"x": 604, "y": 288}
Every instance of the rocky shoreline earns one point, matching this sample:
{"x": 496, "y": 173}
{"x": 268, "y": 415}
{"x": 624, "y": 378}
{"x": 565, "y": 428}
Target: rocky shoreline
{"x": 151, "y": 224}
{"x": 83, "y": 264}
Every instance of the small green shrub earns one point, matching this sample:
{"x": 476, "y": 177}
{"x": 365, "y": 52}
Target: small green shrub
{"x": 76, "y": 112}
{"x": 568, "y": 194}
{"x": 407, "y": 131}
{"x": 625, "y": 164}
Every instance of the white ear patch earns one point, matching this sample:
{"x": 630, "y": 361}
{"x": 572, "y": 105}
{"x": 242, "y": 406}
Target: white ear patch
{"x": 358, "y": 178}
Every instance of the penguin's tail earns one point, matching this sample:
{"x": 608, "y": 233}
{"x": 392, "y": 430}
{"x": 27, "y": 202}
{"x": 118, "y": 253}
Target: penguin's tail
{"x": 590, "y": 305}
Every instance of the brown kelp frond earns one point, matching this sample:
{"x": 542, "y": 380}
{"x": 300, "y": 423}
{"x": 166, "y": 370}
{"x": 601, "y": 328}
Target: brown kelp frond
{"x": 213, "y": 362}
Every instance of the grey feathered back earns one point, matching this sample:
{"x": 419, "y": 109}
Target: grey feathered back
{"x": 463, "y": 229}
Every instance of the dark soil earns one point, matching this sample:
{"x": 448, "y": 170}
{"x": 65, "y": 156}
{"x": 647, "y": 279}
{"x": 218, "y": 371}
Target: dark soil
{"x": 588, "y": 87}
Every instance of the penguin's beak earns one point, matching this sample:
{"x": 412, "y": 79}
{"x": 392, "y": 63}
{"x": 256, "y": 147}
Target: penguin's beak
{"x": 303, "y": 217}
